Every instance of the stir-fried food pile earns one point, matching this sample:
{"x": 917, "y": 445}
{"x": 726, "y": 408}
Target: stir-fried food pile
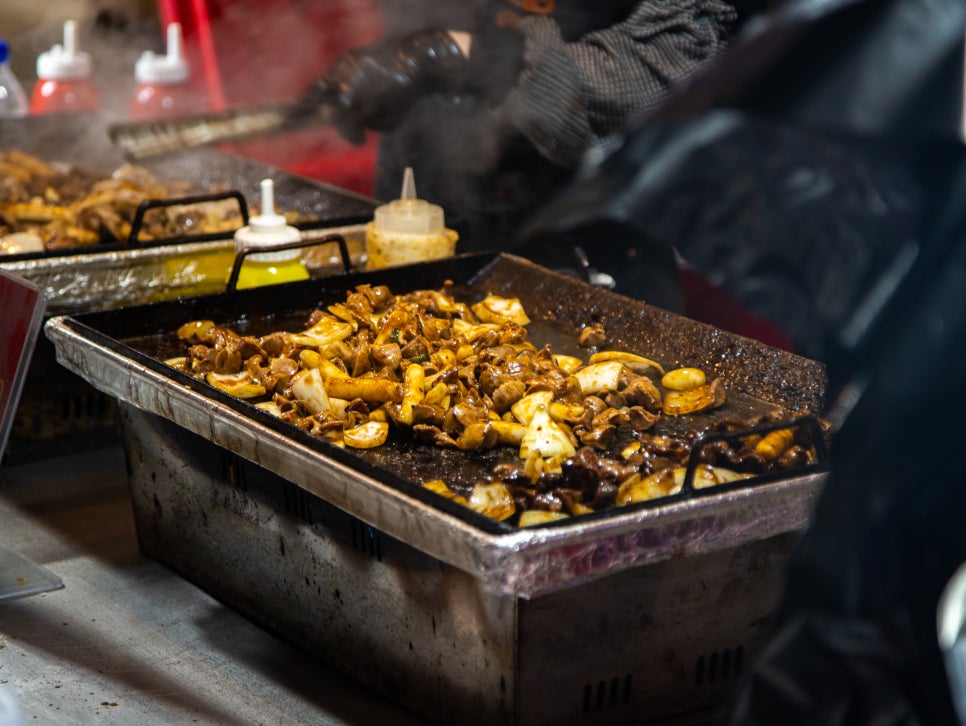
{"x": 45, "y": 206}
{"x": 579, "y": 432}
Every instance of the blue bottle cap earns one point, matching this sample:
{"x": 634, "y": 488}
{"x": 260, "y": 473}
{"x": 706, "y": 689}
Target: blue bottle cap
{"x": 4, "y": 51}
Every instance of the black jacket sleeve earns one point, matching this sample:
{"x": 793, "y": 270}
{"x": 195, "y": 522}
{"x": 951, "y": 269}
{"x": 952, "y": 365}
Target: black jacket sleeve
{"x": 571, "y": 95}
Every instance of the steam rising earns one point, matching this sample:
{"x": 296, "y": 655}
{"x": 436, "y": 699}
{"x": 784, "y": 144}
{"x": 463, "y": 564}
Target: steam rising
{"x": 256, "y": 54}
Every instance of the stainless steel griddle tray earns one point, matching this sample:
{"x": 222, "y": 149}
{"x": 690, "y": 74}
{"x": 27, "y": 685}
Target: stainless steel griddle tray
{"x": 97, "y": 280}
{"x": 92, "y": 278}
{"x": 527, "y": 562}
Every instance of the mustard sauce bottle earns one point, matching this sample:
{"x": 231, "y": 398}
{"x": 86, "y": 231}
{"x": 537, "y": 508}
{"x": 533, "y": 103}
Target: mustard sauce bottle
{"x": 267, "y": 230}
{"x": 407, "y": 230}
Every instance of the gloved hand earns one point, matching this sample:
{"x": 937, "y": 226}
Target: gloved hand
{"x": 374, "y": 86}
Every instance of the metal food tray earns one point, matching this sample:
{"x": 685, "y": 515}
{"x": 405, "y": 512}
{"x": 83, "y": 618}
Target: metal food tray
{"x": 91, "y": 279}
{"x": 58, "y": 406}
{"x": 651, "y": 606}
{"x": 103, "y": 348}
{"x": 106, "y": 276}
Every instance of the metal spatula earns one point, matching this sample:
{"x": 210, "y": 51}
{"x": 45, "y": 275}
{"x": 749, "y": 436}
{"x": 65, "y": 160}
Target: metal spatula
{"x": 142, "y": 140}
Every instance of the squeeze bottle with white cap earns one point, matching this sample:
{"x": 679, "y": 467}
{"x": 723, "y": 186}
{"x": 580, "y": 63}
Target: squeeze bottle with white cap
{"x": 407, "y": 230}
{"x": 64, "y": 80}
{"x": 163, "y": 89}
{"x": 267, "y": 230}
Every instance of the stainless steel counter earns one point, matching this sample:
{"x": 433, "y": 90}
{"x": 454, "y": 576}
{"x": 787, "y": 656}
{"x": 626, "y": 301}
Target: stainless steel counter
{"x": 127, "y": 640}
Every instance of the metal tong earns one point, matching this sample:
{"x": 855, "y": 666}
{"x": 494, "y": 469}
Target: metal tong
{"x": 142, "y": 140}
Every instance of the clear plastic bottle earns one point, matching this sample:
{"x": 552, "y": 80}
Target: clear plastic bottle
{"x": 407, "y": 230}
{"x": 163, "y": 87}
{"x": 13, "y": 99}
{"x": 64, "y": 78}
{"x": 268, "y": 230}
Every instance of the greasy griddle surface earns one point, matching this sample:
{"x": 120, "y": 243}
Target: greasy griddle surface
{"x": 758, "y": 378}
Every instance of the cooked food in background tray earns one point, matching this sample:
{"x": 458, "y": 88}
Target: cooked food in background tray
{"x": 48, "y": 206}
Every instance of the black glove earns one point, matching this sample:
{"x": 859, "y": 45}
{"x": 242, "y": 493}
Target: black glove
{"x": 374, "y": 86}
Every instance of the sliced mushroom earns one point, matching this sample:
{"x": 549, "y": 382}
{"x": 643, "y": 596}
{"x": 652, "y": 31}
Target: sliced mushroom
{"x": 473, "y": 332}
{"x": 496, "y": 309}
{"x": 270, "y": 407}
{"x": 670, "y": 481}
{"x": 324, "y": 333}
{"x": 240, "y": 385}
{"x": 678, "y": 403}
{"x": 492, "y": 500}
{"x": 524, "y": 409}
{"x": 545, "y": 437}
{"x": 637, "y": 363}
{"x": 375, "y": 390}
{"x": 533, "y": 517}
{"x": 510, "y": 433}
{"x": 600, "y": 376}
{"x": 366, "y": 436}
{"x": 197, "y": 331}
{"x": 567, "y": 363}
{"x": 773, "y": 444}
{"x": 307, "y": 387}
{"x": 683, "y": 379}
{"x": 440, "y": 487}
{"x": 412, "y": 394}
{"x": 476, "y": 436}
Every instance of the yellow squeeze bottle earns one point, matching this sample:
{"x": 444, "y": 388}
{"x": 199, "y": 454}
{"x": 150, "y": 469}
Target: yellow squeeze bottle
{"x": 407, "y": 230}
{"x": 267, "y": 230}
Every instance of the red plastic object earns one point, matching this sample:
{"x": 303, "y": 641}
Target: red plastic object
{"x": 64, "y": 78}
{"x": 162, "y": 101}
{"x": 708, "y": 303}
{"x": 246, "y": 52}
{"x": 52, "y": 96}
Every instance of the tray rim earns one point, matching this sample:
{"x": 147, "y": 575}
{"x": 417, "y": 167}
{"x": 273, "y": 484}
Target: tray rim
{"x": 524, "y": 562}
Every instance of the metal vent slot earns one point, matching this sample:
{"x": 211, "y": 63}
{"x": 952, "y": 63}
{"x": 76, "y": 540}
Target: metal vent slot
{"x": 233, "y": 472}
{"x": 85, "y": 406}
{"x": 607, "y": 694}
{"x": 718, "y": 666}
{"x": 297, "y": 503}
{"x": 366, "y": 539}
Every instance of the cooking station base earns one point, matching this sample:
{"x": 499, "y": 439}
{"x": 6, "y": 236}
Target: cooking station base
{"x": 663, "y": 640}
{"x": 128, "y": 641}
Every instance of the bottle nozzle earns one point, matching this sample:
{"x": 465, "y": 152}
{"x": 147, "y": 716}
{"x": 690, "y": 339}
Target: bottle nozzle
{"x": 170, "y": 68}
{"x": 268, "y": 228}
{"x": 268, "y": 198}
{"x": 70, "y": 37}
{"x": 408, "y": 185}
{"x": 267, "y": 219}
{"x": 407, "y": 229}
{"x": 408, "y": 214}
{"x": 174, "y": 42}
{"x": 65, "y": 61}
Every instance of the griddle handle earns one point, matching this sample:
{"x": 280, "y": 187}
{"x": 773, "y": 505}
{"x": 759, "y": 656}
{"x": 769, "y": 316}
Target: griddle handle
{"x": 133, "y": 238}
{"x": 808, "y": 422}
{"x": 232, "y": 283}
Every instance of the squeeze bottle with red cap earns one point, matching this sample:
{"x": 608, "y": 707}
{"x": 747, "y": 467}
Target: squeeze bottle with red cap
{"x": 163, "y": 88}
{"x": 64, "y": 78}
{"x": 267, "y": 230}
